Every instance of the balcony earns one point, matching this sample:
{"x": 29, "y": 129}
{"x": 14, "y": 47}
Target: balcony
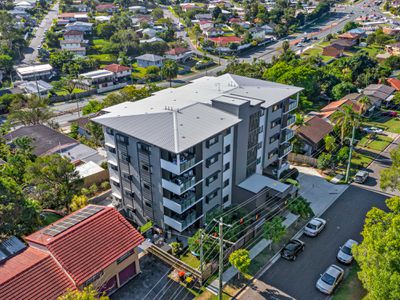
{"x": 287, "y": 135}
{"x": 293, "y": 104}
{"x": 179, "y": 165}
{"x": 179, "y": 185}
{"x": 285, "y": 150}
{"x": 289, "y": 121}
{"x": 181, "y": 205}
{"x": 182, "y": 224}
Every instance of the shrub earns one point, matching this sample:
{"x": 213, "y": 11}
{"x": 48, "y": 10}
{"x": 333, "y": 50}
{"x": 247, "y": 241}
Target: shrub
{"x": 176, "y": 248}
{"x": 105, "y": 185}
{"x": 85, "y": 191}
{"x": 301, "y": 207}
{"x": 93, "y": 189}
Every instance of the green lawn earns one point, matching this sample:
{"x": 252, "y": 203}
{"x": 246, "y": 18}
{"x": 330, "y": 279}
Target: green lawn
{"x": 137, "y": 71}
{"x": 104, "y": 58}
{"x": 386, "y": 123}
{"x": 64, "y": 93}
{"x": 49, "y": 217}
{"x": 317, "y": 51}
{"x": 351, "y": 288}
{"x": 191, "y": 260}
{"x": 379, "y": 143}
{"x": 360, "y": 160}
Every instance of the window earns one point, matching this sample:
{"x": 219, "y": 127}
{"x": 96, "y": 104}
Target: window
{"x": 227, "y": 166}
{"x": 148, "y": 204}
{"x": 122, "y": 139}
{"x": 116, "y": 183}
{"x": 251, "y": 169}
{"x": 227, "y": 149}
{"x": 226, "y": 183}
{"x": 275, "y": 107}
{"x": 125, "y": 157}
{"x": 125, "y": 256}
{"x": 111, "y": 149}
{"x": 93, "y": 278}
{"x": 212, "y": 141}
{"x": 262, "y": 112}
{"x": 146, "y": 186}
{"x": 228, "y": 131}
{"x": 260, "y": 129}
{"x": 273, "y": 138}
{"x": 212, "y": 178}
{"x": 258, "y": 160}
{"x": 113, "y": 167}
{"x": 144, "y": 148}
{"x": 211, "y": 195}
{"x": 211, "y": 160}
{"x": 259, "y": 145}
{"x": 109, "y": 131}
{"x": 272, "y": 153}
{"x": 127, "y": 176}
{"x": 225, "y": 199}
{"x": 275, "y": 123}
{"x": 145, "y": 167}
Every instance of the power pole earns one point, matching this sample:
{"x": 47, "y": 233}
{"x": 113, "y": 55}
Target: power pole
{"x": 221, "y": 259}
{"x": 350, "y": 153}
{"x": 201, "y": 254}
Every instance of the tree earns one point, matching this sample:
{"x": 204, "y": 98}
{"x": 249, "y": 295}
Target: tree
{"x": 209, "y": 245}
{"x": 19, "y": 215}
{"x": 378, "y": 255}
{"x": 240, "y": 259}
{"x": 330, "y": 143}
{"x": 170, "y": 70}
{"x": 390, "y": 177}
{"x": 301, "y": 207}
{"x": 342, "y": 89}
{"x": 157, "y": 13}
{"x": 54, "y": 180}
{"x": 33, "y": 111}
{"x": 350, "y": 26}
{"x": 6, "y": 62}
{"x": 274, "y": 230}
{"x": 343, "y": 155}
{"x": 66, "y": 84}
{"x": 105, "y": 30}
{"x": 285, "y": 46}
{"x": 324, "y": 161}
{"x": 365, "y": 103}
{"x": 345, "y": 118}
{"x": 78, "y": 202}
{"x": 88, "y": 293}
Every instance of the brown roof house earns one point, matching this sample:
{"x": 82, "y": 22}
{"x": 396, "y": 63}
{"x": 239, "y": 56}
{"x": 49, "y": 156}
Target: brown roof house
{"x": 393, "y": 49}
{"x": 334, "y": 50}
{"x": 327, "y": 111}
{"x": 312, "y": 133}
{"x": 379, "y": 94}
{"x": 346, "y": 44}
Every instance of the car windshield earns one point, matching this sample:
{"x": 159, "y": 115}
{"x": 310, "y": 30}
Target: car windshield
{"x": 311, "y": 226}
{"x": 290, "y": 247}
{"x": 346, "y": 250}
{"x": 328, "y": 279}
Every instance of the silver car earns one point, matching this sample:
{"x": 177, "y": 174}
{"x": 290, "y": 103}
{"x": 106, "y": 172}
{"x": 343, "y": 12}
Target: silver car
{"x": 344, "y": 255}
{"x": 330, "y": 279}
{"x": 314, "y": 227}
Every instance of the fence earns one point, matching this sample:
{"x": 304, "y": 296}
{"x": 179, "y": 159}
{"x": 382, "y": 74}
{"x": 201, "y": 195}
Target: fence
{"x": 63, "y": 98}
{"x": 302, "y": 159}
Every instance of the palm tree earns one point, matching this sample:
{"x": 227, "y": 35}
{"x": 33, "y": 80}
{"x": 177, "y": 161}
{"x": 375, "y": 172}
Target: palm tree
{"x": 345, "y": 118}
{"x": 34, "y": 111}
{"x": 170, "y": 70}
{"x": 365, "y": 102}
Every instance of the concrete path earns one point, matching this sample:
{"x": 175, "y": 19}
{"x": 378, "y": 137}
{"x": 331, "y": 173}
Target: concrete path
{"x": 254, "y": 251}
{"x": 319, "y": 192}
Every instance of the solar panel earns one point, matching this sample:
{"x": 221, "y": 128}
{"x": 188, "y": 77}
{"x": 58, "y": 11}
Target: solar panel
{"x": 68, "y": 222}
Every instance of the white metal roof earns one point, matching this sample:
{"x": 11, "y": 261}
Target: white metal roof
{"x": 97, "y": 74}
{"x": 34, "y": 69}
{"x": 256, "y": 182}
{"x": 88, "y": 169}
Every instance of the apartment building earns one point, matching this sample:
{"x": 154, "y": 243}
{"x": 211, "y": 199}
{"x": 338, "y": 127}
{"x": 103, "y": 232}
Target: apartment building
{"x": 177, "y": 155}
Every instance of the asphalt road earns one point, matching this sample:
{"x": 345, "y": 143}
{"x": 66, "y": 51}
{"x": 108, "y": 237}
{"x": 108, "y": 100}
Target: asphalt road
{"x": 31, "y": 52}
{"x": 296, "y": 280}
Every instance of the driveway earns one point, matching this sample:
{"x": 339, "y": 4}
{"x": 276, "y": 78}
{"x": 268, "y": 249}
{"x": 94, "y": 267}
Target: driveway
{"x": 296, "y": 280}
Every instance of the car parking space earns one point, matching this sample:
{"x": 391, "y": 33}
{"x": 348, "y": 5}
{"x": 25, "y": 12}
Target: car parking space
{"x": 298, "y": 278}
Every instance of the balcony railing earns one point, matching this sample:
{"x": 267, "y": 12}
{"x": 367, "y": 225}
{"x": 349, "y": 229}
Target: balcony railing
{"x": 285, "y": 150}
{"x": 178, "y": 186}
{"x": 287, "y": 135}
{"x": 182, "y": 224}
{"x": 181, "y": 205}
{"x": 289, "y": 121}
{"x": 293, "y": 104}
{"x": 178, "y": 166}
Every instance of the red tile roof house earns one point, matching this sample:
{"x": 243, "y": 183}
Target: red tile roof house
{"x": 106, "y": 7}
{"x": 394, "y": 83}
{"x": 178, "y": 54}
{"x": 312, "y": 133}
{"x": 94, "y": 245}
{"x": 119, "y": 71}
{"x": 334, "y": 50}
{"x": 327, "y": 111}
{"x": 225, "y": 40}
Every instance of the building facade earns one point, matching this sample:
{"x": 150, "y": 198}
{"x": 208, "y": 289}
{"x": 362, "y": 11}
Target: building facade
{"x": 179, "y": 154}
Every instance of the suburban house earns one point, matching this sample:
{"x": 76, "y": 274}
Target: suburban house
{"x": 212, "y": 31}
{"x": 147, "y": 60}
{"x": 94, "y": 245}
{"x": 39, "y": 87}
{"x": 138, "y": 9}
{"x": 73, "y": 46}
{"x": 73, "y": 35}
{"x": 149, "y": 32}
{"x": 106, "y": 7}
{"x": 349, "y": 35}
{"x": 151, "y": 40}
{"x": 379, "y": 94}
{"x": 35, "y": 72}
{"x": 178, "y": 54}
{"x": 74, "y": 16}
{"x": 346, "y": 44}
{"x": 257, "y": 33}
{"x": 80, "y": 26}
{"x": 47, "y": 141}
{"x": 226, "y": 40}
{"x": 393, "y": 49}
{"x": 312, "y": 134}
{"x": 327, "y": 111}
{"x": 189, "y": 6}
{"x": 394, "y": 83}
{"x": 182, "y": 152}
{"x": 333, "y": 50}
{"x": 101, "y": 80}
{"x": 391, "y": 30}
{"x": 121, "y": 73}
{"x": 91, "y": 173}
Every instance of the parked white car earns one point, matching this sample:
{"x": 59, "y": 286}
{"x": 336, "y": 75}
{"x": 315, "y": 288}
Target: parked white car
{"x": 345, "y": 255}
{"x": 314, "y": 227}
{"x": 372, "y": 130}
{"x": 330, "y": 279}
